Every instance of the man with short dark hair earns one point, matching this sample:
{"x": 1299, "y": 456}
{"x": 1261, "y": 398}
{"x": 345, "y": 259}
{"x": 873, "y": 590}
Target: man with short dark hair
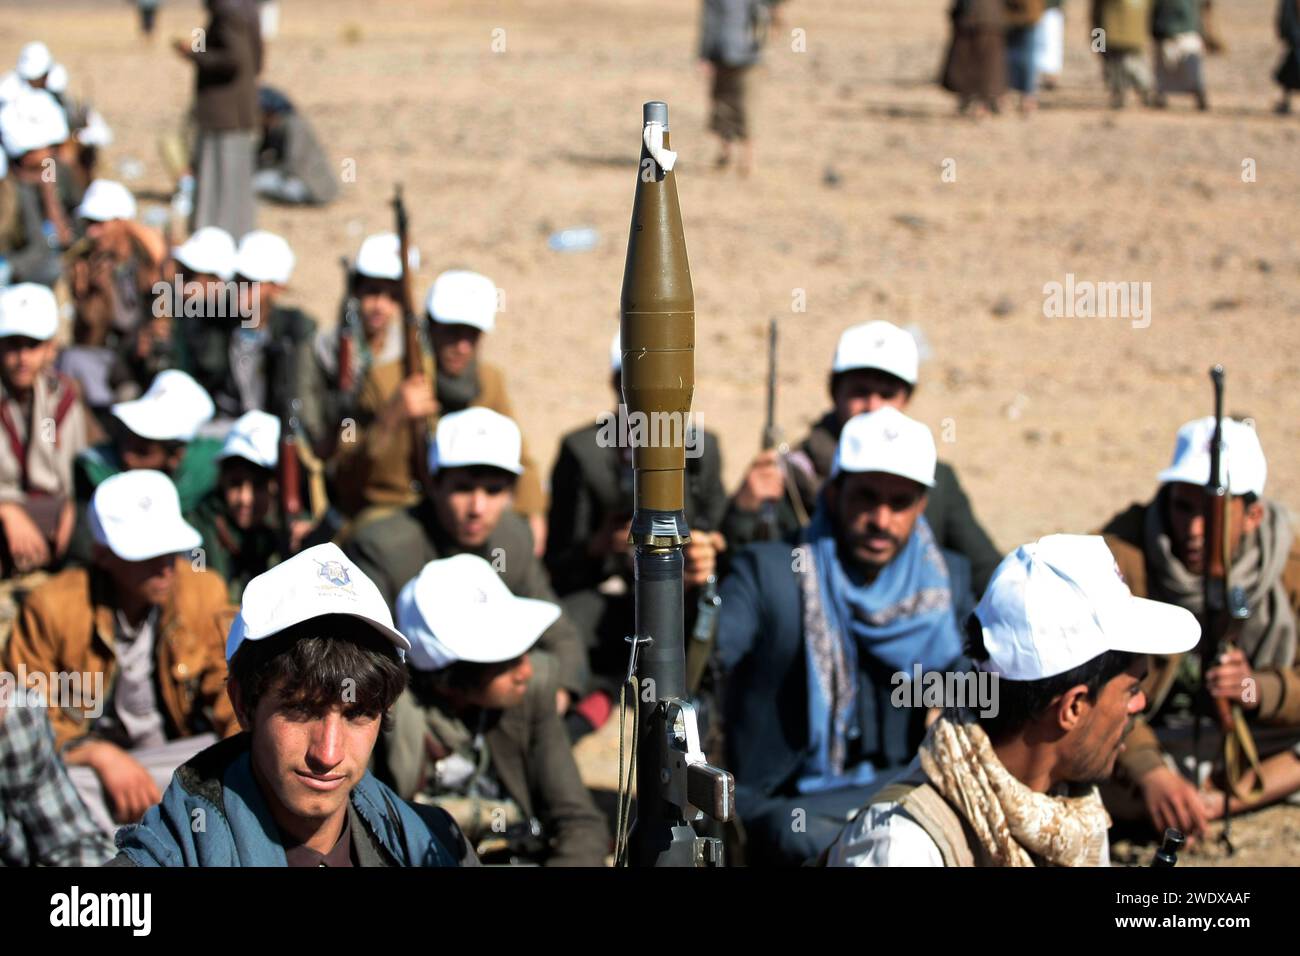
{"x": 476, "y": 464}
{"x": 315, "y": 664}
{"x": 811, "y": 640}
{"x": 1016, "y": 785}
{"x": 875, "y": 367}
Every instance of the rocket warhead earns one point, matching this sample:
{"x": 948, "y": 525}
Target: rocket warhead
{"x": 658, "y": 339}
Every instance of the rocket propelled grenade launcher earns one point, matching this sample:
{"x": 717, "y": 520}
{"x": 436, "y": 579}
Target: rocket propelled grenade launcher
{"x": 675, "y": 785}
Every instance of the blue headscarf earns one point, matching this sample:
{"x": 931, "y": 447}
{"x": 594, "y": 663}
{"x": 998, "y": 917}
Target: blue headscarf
{"x": 902, "y": 618}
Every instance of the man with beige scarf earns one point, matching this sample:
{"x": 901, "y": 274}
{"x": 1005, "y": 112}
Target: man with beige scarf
{"x": 1160, "y": 550}
{"x": 1017, "y": 784}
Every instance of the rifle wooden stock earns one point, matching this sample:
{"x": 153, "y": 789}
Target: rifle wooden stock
{"x": 413, "y": 352}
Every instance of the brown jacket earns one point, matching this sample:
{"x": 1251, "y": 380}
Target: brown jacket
{"x": 67, "y": 625}
{"x": 1278, "y": 689}
{"x": 376, "y": 469}
{"x": 225, "y": 93}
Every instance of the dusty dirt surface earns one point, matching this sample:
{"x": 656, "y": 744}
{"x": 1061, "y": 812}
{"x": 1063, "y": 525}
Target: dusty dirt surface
{"x": 509, "y": 119}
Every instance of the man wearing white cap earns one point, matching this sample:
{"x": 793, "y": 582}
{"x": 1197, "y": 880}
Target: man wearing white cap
{"x": 238, "y": 517}
{"x": 32, "y": 127}
{"x": 876, "y": 365}
{"x": 158, "y": 431}
{"x": 225, "y": 111}
{"x": 810, "y": 641}
{"x": 1016, "y": 784}
{"x": 587, "y": 553}
{"x": 460, "y": 308}
{"x": 144, "y": 629}
{"x": 43, "y": 429}
{"x": 1160, "y": 548}
{"x": 475, "y": 732}
{"x": 293, "y": 788}
{"x": 475, "y": 461}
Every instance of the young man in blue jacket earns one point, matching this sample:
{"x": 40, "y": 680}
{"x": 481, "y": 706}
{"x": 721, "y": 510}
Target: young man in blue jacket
{"x": 314, "y": 666}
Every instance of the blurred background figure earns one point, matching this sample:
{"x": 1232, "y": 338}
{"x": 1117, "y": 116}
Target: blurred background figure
{"x": 732, "y": 34}
{"x": 1022, "y": 21}
{"x": 292, "y": 166}
{"x": 975, "y": 68}
{"x": 1180, "y": 50}
{"x": 1288, "y": 71}
{"x": 1123, "y": 65}
{"x": 227, "y": 63}
{"x": 148, "y": 16}
{"x": 1049, "y": 44}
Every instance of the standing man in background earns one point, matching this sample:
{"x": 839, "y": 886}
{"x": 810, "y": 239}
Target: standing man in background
{"x": 731, "y": 35}
{"x": 228, "y": 58}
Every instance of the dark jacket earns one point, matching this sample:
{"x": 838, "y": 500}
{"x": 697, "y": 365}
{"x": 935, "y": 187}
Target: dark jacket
{"x": 590, "y": 482}
{"x": 760, "y": 650}
{"x": 948, "y": 510}
{"x": 531, "y": 758}
{"x": 217, "y": 788}
{"x": 1169, "y": 18}
{"x": 393, "y": 550}
{"x": 237, "y": 555}
{"x": 225, "y": 91}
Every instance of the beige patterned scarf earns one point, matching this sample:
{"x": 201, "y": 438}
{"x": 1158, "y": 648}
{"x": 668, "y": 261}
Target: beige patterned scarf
{"x": 1014, "y": 825}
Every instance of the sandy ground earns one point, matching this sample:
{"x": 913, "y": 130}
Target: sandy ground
{"x": 509, "y": 119}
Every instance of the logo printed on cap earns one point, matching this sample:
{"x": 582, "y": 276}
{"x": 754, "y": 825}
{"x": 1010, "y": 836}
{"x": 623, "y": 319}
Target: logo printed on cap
{"x": 335, "y": 573}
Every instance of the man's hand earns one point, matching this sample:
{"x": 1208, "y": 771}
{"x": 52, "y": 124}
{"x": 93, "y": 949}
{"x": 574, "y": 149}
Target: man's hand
{"x": 537, "y": 524}
{"x": 701, "y": 555}
{"x": 182, "y": 47}
{"x": 130, "y": 788}
{"x": 414, "y": 398}
{"x": 612, "y": 536}
{"x": 298, "y": 532}
{"x": 562, "y": 701}
{"x": 1228, "y": 678}
{"x": 27, "y": 545}
{"x": 1172, "y": 801}
{"x": 763, "y": 482}
{"x": 67, "y": 524}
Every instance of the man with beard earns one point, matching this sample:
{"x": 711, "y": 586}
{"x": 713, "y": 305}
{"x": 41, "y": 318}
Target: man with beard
{"x": 875, "y": 367}
{"x": 1160, "y": 548}
{"x": 1016, "y": 784}
{"x": 811, "y": 640}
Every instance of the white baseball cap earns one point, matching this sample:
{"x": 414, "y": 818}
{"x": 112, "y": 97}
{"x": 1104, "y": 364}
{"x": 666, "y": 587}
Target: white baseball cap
{"x": 56, "y": 80}
{"x": 30, "y": 310}
{"x": 173, "y": 409}
{"x": 313, "y": 583}
{"x": 34, "y": 61}
{"x": 887, "y": 441}
{"x": 459, "y": 609}
{"x": 106, "y": 200}
{"x": 880, "y": 345}
{"x": 1061, "y": 601}
{"x": 254, "y": 437}
{"x": 380, "y": 257}
{"x": 137, "y": 516}
{"x": 32, "y": 120}
{"x": 477, "y": 436}
{"x": 1242, "y": 464}
{"x": 264, "y": 257}
{"x": 459, "y": 297}
{"x": 210, "y": 251}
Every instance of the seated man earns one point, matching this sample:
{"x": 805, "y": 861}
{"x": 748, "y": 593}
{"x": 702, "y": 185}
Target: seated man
{"x": 42, "y": 820}
{"x": 292, "y": 166}
{"x": 475, "y": 460}
{"x": 157, "y": 431}
{"x": 474, "y": 733}
{"x": 1016, "y": 784}
{"x": 144, "y": 629}
{"x": 587, "y": 550}
{"x": 812, "y": 641}
{"x": 44, "y": 426}
{"x": 875, "y": 366}
{"x": 241, "y": 536}
{"x": 315, "y": 665}
{"x": 1160, "y": 548}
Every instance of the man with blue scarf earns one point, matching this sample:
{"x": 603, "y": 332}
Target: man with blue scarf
{"x": 811, "y": 640}
{"x": 315, "y": 664}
